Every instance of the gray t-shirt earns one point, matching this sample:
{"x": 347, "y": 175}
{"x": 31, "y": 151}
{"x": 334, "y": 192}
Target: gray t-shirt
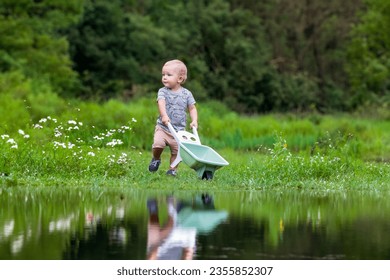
{"x": 176, "y": 106}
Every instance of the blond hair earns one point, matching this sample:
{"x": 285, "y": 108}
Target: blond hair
{"x": 180, "y": 67}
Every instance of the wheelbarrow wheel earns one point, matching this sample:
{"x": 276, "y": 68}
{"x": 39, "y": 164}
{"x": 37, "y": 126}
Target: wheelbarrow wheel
{"x": 208, "y": 175}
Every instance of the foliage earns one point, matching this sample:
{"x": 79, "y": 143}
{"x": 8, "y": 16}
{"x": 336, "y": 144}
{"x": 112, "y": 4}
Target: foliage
{"x": 368, "y": 60}
{"x": 36, "y": 48}
{"x": 113, "y": 50}
{"x": 308, "y": 40}
{"x": 13, "y": 89}
{"x": 254, "y": 56}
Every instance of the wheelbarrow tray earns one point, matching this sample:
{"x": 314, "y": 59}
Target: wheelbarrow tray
{"x": 201, "y": 158}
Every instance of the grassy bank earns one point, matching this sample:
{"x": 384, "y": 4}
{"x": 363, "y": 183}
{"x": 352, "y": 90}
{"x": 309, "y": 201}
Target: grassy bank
{"x": 86, "y": 144}
{"x": 279, "y": 169}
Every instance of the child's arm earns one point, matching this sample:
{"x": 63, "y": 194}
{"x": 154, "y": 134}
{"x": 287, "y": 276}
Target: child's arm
{"x": 194, "y": 116}
{"x": 163, "y": 112}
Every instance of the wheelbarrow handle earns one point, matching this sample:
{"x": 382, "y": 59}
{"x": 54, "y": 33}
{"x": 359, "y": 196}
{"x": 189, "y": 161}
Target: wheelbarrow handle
{"x": 195, "y": 132}
{"x": 173, "y": 132}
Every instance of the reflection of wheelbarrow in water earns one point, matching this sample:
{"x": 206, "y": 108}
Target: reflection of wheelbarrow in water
{"x": 203, "y": 159}
{"x": 200, "y": 214}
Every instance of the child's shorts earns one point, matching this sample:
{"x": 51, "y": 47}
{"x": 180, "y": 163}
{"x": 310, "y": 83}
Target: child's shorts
{"x": 163, "y": 138}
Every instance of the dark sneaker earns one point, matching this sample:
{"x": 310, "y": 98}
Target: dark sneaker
{"x": 171, "y": 172}
{"x": 154, "y": 164}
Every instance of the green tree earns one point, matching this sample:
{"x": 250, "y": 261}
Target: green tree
{"x": 236, "y": 54}
{"x": 369, "y": 61}
{"x": 114, "y": 49}
{"x": 31, "y": 40}
{"x": 224, "y": 48}
{"x": 124, "y": 44}
{"x": 308, "y": 41}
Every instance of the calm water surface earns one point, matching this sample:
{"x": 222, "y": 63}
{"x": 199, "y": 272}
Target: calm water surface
{"x": 122, "y": 224}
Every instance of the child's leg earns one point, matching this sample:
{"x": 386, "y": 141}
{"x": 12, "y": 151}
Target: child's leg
{"x": 174, "y": 150}
{"x": 157, "y": 153}
{"x": 157, "y": 149}
{"x": 173, "y": 157}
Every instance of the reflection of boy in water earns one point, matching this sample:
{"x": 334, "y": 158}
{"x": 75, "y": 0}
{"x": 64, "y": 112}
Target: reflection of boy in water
{"x": 171, "y": 241}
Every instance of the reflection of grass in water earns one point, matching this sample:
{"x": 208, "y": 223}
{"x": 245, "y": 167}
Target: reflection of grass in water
{"x": 57, "y": 216}
{"x": 276, "y": 212}
{"x": 54, "y": 215}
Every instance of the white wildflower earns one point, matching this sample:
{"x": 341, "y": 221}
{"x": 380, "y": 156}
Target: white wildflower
{"x": 122, "y": 159}
{"x": 133, "y": 120}
{"x": 58, "y": 144}
{"x": 4, "y": 136}
{"x": 11, "y": 141}
{"x": 92, "y": 154}
{"x": 115, "y": 142}
{"x": 98, "y": 138}
{"x": 37, "y": 126}
{"x": 21, "y": 132}
{"x": 43, "y": 120}
{"x": 72, "y": 122}
{"x": 111, "y": 159}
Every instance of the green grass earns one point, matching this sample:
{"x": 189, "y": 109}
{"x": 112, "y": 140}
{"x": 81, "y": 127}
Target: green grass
{"x": 87, "y": 144}
{"x": 247, "y": 171}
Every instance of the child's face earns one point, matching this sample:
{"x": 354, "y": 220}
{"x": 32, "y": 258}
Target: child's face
{"x": 170, "y": 77}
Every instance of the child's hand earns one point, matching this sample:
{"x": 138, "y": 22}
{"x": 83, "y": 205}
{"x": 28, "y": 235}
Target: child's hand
{"x": 194, "y": 124}
{"x": 165, "y": 119}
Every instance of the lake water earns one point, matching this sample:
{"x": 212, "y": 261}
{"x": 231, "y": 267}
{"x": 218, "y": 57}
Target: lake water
{"x": 56, "y": 224}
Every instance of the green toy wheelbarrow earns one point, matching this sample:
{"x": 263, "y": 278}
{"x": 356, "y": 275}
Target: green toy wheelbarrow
{"x": 203, "y": 159}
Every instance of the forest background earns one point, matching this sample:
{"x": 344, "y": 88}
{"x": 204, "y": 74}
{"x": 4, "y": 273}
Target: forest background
{"x": 253, "y": 56}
